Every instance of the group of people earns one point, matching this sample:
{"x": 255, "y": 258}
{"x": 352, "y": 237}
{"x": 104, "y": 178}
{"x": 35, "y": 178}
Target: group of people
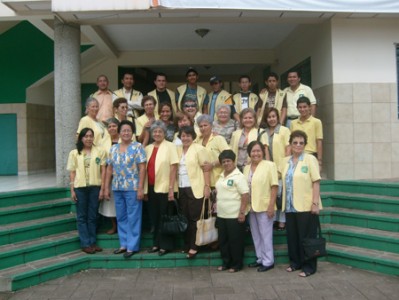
{"x": 261, "y": 156}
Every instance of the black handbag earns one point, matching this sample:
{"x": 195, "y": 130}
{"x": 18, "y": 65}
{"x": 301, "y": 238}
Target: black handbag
{"x": 315, "y": 247}
{"x": 175, "y": 222}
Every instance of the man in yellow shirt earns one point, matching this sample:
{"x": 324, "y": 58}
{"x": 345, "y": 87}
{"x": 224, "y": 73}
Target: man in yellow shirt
{"x": 133, "y": 96}
{"x": 104, "y": 98}
{"x": 312, "y": 127}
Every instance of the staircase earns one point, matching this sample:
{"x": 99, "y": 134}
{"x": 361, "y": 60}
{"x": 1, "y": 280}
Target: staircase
{"x": 39, "y": 241}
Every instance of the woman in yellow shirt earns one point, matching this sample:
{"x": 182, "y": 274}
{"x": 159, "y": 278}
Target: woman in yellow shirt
{"x": 263, "y": 183}
{"x": 86, "y": 166}
{"x": 301, "y": 202}
{"x": 162, "y": 161}
{"x": 194, "y": 184}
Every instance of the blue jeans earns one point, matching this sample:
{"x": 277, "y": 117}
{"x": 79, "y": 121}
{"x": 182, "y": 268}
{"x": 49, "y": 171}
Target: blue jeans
{"x": 128, "y": 215}
{"x": 86, "y": 211}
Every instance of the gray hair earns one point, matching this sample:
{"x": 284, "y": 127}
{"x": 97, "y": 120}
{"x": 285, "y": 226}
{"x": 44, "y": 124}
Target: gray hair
{"x": 204, "y": 118}
{"x": 88, "y": 101}
{"x": 112, "y": 121}
{"x": 226, "y": 106}
{"x": 158, "y": 124}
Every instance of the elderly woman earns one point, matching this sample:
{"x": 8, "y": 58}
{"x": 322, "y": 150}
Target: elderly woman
{"x": 194, "y": 184}
{"x": 101, "y": 136}
{"x": 263, "y": 182}
{"x": 232, "y": 205}
{"x": 120, "y": 109}
{"x": 86, "y": 166}
{"x": 301, "y": 202}
{"x": 224, "y": 125}
{"x": 143, "y": 123}
{"x": 279, "y": 147}
{"x": 242, "y": 137}
{"x": 161, "y": 176}
{"x": 107, "y": 207}
{"x": 215, "y": 144}
{"x": 126, "y": 166}
{"x": 166, "y": 116}
{"x": 182, "y": 119}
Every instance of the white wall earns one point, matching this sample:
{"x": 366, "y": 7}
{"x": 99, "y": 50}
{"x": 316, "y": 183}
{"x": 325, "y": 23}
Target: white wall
{"x": 364, "y": 50}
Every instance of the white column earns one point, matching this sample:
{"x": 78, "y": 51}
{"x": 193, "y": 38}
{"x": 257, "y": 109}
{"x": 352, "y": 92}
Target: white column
{"x": 67, "y": 93}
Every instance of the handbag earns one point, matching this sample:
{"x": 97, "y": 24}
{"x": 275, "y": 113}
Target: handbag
{"x": 174, "y": 223}
{"x": 206, "y": 231}
{"x": 315, "y": 247}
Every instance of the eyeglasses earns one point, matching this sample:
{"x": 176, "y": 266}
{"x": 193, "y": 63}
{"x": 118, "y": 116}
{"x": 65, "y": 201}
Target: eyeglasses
{"x": 190, "y": 105}
{"x": 298, "y": 143}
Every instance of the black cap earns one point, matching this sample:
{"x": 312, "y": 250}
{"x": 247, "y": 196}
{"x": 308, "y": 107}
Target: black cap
{"x": 215, "y": 79}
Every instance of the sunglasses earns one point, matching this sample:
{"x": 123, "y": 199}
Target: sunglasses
{"x": 298, "y": 143}
{"x": 190, "y": 105}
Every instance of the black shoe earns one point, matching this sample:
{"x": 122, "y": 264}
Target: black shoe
{"x": 120, "y": 251}
{"x": 162, "y": 252}
{"x": 254, "y": 265}
{"x": 153, "y": 250}
{"x": 264, "y": 268}
{"x": 128, "y": 254}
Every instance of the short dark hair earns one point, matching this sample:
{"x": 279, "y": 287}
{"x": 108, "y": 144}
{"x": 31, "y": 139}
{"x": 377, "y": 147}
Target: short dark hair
{"x": 227, "y": 154}
{"x": 244, "y": 76}
{"x": 188, "y": 130}
{"x": 303, "y": 99}
{"x": 299, "y": 133}
{"x": 119, "y": 101}
{"x": 127, "y": 73}
{"x": 191, "y": 70}
{"x": 272, "y": 74}
{"x": 146, "y": 98}
{"x": 126, "y": 122}
{"x": 161, "y": 74}
{"x": 102, "y": 75}
{"x": 82, "y": 133}
{"x": 180, "y": 115}
{"x": 253, "y": 144}
{"x": 298, "y": 72}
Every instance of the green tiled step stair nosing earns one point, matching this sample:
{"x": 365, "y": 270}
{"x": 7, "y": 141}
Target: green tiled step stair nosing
{"x": 26, "y": 252}
{"x": 34, "y": 211}
{"x": 377, "y": 261}
{"x": 31, "y": 196}
{"x": 361, "y": 218}
{"x": 32, "y": 229}
{"x": 363, "y": 187}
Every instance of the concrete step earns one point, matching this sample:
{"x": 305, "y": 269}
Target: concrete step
{"x": 363, "y": 237}
{"x": 25, "y": 252}
{"x": 367, "y": 259}
{"x": 32, "y": 211}
{"x": 360, "y": 218}
{"x": 32, "y": 229}
{"x": 361, "y": 187}
{"x": 30, "y": 196}
{"x": 376, "y": 203}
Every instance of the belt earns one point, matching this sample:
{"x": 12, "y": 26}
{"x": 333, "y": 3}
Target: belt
{"x": 293, "y": 117}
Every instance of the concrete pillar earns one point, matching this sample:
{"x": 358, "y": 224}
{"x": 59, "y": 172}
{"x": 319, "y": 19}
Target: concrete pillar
{"x": 67, "y": 93}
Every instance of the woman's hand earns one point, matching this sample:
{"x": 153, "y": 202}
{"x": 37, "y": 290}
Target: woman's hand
{"x": 315, "y": 209}
{"x": 207, "y": 166}
{"x": 140, "y": 194}
{"x": 101, "y": 195}
{"x": 241, "y": 218}
{"x": 270, "y": 212}
{"x": 171, "y": 195}
{"x": 73, "y": 196}
{"x": 107, "y": 195}
{"x": 207, "y": 191}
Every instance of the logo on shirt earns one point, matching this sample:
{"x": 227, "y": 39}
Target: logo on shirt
{"x": 98, "y": 160}
{"x": 230, "y": 182}
{"x": 304, "y": 169}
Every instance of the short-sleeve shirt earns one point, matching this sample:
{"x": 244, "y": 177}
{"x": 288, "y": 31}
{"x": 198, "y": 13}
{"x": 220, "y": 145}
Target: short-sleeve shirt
{"x": 125, "y": 166}
{"x": 229, "y": 191}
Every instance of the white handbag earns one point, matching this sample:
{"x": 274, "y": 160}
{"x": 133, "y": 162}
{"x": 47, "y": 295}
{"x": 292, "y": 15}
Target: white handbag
{"x": 206, "y": 231}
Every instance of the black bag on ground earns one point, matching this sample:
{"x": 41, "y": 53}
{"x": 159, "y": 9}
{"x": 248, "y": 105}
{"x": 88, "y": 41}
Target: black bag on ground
{"x": 315, "y": 247}
{"x": 175, "y": 222}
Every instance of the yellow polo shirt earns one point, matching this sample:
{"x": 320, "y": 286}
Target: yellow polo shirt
{"x": 229, "y": 191}
{"x": 314, "y": 130}
{"x": 76, "y": 163}
{"x": 166, "y": 156}
{"x": 252, "y": 136}
{"x": 263, "y": 179}
{"x": 252, "y": 100}
{"x": 306, "y": 172}
{"x": 196, "y": 156}
{"x": 293, "y": 96}
{"x": 216, "y": 144}
{"x": 101, "y": 135}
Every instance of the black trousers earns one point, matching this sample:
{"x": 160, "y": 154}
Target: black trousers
{"x": 231, "y": 235}
{"x": 298, "y": 226}
{"x": 191, "y": 207}
{"x": 158, "y": 207}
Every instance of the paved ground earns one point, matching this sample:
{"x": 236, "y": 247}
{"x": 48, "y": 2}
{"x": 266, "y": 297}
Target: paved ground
{"x": 332, "y": 282}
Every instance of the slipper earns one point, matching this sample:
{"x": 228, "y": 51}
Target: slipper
{"x": 291, "y": 269}
{"x": 304, "y": 274}
{"x": 222, "y": 268}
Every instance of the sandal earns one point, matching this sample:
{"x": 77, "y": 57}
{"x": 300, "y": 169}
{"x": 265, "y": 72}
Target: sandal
{"x": 191, "y": 255}
{"x": 233, "y": 270}
{"x": 222, "y": 268}
{"x": 304, "y": 274}
{"x": 291, "y": 269}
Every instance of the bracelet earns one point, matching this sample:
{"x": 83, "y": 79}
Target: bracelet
{"x": 316, "y": 204}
